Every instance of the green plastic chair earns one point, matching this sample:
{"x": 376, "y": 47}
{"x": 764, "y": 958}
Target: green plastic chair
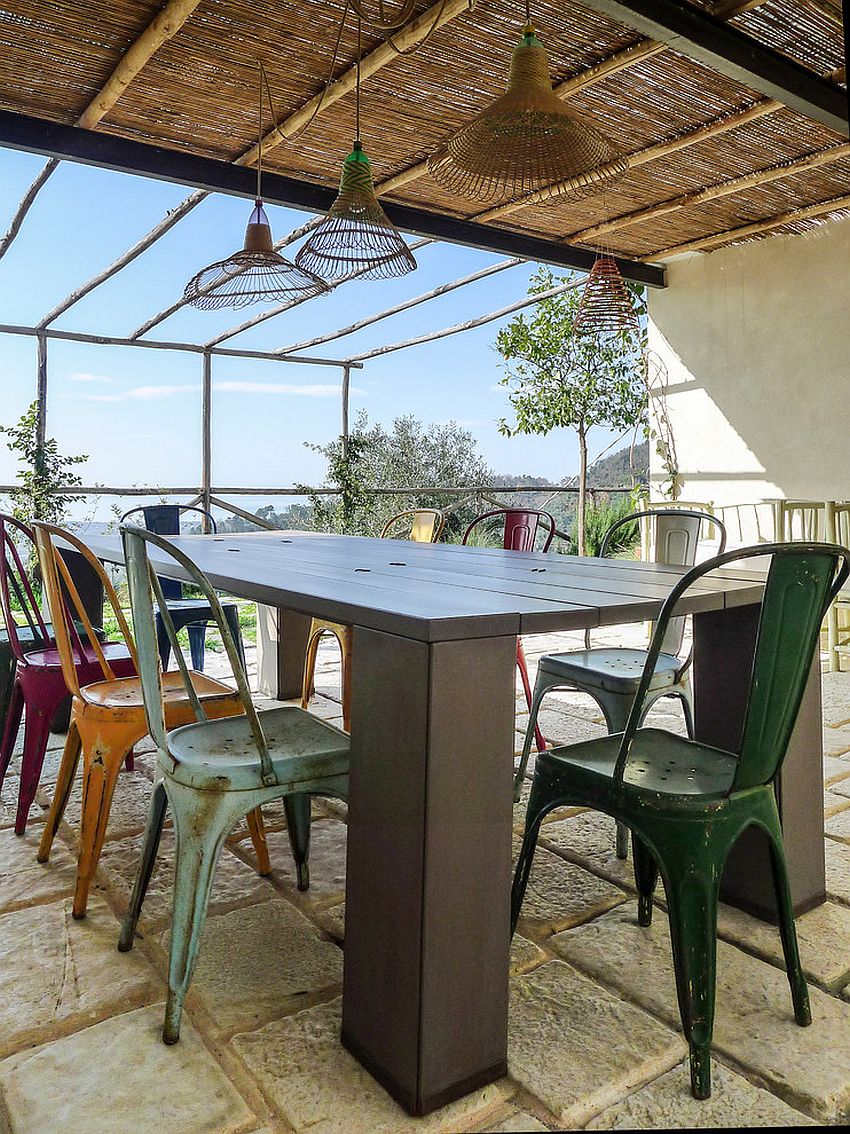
{"x": 611, "y": 676}
{"x": 214, "y": 772}
{"x": 687, "y": 803}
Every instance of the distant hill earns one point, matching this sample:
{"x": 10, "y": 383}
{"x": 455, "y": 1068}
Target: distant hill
{"x": 617, "y": 470}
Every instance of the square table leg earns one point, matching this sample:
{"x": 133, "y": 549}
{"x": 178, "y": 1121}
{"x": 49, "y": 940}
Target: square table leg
{"x": 724, "y": 642}
{"x": 293, "y": 630}
{"x": 427, "y": 937}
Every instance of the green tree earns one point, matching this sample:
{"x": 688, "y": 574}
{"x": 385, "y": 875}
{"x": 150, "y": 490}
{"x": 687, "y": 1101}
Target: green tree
{"x": 407, "y": 455}
{"x": 44, "y": 472}
{"x": 558, "y": 379}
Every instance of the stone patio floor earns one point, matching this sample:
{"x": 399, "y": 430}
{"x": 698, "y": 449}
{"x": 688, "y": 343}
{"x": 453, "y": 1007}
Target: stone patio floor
{"x": 594, "y": 1032}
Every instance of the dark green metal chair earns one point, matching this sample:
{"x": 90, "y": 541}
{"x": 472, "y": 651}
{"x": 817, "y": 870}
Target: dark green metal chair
{"x": 687, "y": 803}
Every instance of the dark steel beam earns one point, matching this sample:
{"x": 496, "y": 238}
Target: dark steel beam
{"x": 724, "y": 48}
{"x": 845, "y": 8}
{"x": 71, "y": 143}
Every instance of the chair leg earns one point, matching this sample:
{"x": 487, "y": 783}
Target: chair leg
{"x": 11, "y": 727}
{"x": 150, "y": 846}
{"x": 692, "y": 903}
{"x": 162, "y": 642}
{"x": 257, "y": 828}
{"x": 197, "y": 632}
{"x": 7, "y": 684}
{"x": 62, "y": 790}
{"x": 36, "y": 735}
{"x": 231, "y": 617}
{"x": 538, "y": 805}
{"x": 297, "y": 808}
{"x": 105, "y": 746}
{"x": 526, "y": 685}
{"x": 787, "y": 930}
{"x": 307, "y": 680}
{"x": 130, "y": 761}
{"x": 615, "y": 708}
{"x": 646, "y": 877}
{"x": 201, "y": 820}
{"x": 541, "y": 688}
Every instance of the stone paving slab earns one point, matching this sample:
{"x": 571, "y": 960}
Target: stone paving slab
{"x": 838, "y": 871}
{"x": 577, "y": 1047}
{"x": 327, "y": 860}
{"x": 836, "y": 741}
{"x": 60, "y": 974}
{"x": 119, "y": 1078}
{"x": 754, "y": 1026}
{"x": 314, "y": 1084}
{"x": 667, "y": 1104}
{"x": 259, "y": 963}
{"x": 589, "y": 839}
{"x": 838, "y": 826}
{"x": 234, "y": 882}
{"x": 834, "y": 770}
{"x": 561, "y": 894}
{"x": 23, "y": 881}
{"x": 517, "y": 1122}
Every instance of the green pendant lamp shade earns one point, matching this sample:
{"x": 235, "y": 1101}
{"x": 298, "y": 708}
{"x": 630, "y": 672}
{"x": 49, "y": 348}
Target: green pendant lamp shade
{"x": 356, "y": 236}
{"x": 605, "y": 306}
{"x": 527, "y": 141}
{"x": 252, "y": 275}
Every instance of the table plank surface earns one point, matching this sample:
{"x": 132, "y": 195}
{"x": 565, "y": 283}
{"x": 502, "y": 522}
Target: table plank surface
{"x": 439, "y": 592}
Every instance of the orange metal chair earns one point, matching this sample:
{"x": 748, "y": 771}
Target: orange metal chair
{"x": 425, "y": 526}
{"x": 108, "y": 716}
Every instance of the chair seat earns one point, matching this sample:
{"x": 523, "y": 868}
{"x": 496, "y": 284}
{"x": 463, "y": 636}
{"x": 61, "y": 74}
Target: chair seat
{"x": 616, "y": 670}
{"x": 116, "y": 653}
{"x": 126, "y": 692}
{"x": 221, "y": 755}
{"x": 660, "y": 764}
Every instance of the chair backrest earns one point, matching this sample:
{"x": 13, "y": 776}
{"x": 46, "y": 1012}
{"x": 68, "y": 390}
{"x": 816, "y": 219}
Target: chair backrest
{"x": 164, "y": 519}
{"x": 424, "y": 525}
{"x": 799, "y": 520}
{"x": 802, "y": 580}
{"x": 674, "y": 535}
{"x": 519, "y": 532}
{"x": 16, "y": 587}
{"x": 144, "y": 591}
{"x": 67, "y": 610}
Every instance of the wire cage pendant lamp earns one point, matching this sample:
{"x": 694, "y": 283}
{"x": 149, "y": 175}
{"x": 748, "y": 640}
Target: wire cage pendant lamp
{"x": 256, "y": 273}
{"x": 527, "y": 140}
{"x": 605, "y": 306}
{"x": 356, "y": 237}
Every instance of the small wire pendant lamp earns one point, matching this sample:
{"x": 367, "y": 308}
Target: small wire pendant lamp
{"x": 605, "y": 306}
{"x": 256, "y": 273}
{"x": 356, "y": 236}
{"x": 527, "y": 140}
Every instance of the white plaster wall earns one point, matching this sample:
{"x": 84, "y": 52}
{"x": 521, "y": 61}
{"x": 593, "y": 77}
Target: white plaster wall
{"x": 756, "y": 342}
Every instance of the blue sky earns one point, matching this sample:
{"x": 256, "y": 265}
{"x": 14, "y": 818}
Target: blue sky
{"x": 137, "y": 412}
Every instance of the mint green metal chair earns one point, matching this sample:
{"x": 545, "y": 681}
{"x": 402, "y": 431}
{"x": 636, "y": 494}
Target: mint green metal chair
{"x": 687, "y": 803}
{"x": 611, "y": 676}
{"x": 213, "y": 772}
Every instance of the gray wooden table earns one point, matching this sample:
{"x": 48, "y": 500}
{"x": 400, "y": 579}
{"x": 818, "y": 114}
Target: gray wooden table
{"x": 429, "y": 838}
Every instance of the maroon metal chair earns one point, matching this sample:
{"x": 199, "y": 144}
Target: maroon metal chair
{"x": 38, "y": 685}
{"x": 519, "y": 533}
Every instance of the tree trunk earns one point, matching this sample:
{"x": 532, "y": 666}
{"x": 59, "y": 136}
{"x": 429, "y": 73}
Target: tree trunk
{"x": 582, "y": 488}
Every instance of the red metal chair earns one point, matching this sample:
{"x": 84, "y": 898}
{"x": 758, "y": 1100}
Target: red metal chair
{"x": 38, "y": 687}
{"x": 519, "y": 533}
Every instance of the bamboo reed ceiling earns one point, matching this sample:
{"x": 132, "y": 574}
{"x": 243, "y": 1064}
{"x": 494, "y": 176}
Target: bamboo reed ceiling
{"x": 197, "y": 92}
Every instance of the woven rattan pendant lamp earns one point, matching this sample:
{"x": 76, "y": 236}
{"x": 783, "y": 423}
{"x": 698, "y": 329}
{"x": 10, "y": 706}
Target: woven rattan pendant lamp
{"x": 356, "y": 236}
{"x": 605, "y": 306}
{"x": 527, "y": 140}
{"x": 256, "y": 273}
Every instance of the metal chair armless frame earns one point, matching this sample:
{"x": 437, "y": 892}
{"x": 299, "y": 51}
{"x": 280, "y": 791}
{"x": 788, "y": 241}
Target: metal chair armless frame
{"x": 191, "y": 614}
{"x": 688, "y": 803}
{"x": 213, "y": 772}
{"x": 611, "y": 676}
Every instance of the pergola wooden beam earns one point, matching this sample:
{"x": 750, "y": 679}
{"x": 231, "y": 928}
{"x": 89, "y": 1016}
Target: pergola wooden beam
{"x": 721, "y": 46}
{"x": 369, "y": 320}
{"x": 162, "y": 27}
{"x": 702, "y": 243}
{"x": 713, "y": 192}
{"x": 127, "y": 155}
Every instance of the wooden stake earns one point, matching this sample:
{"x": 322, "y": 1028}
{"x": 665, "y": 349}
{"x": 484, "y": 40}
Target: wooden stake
{"x": 41, "y": 388}
{"x": 206, "y": 433}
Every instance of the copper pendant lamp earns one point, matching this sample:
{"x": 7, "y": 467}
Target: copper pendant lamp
{"x": 605, "y": 306}
{"x": 356, "y": 236}
{"x": 256, "y": 273}
{"x": 527, "y": 140}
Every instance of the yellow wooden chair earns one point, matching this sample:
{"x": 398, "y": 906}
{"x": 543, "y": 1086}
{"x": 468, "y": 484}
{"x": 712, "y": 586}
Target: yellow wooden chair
{"x": 424, "y": 525}
{"x": 108, "y": 716}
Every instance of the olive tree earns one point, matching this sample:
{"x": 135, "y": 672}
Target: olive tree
{"x": 558, "y": 379}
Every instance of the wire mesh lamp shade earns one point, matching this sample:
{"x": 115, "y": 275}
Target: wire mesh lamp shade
{"x": 356, "y": 236}
{"x": 254, "y": 274}
{"x": 526, "y": 141}
{"x": 605, "y": 306}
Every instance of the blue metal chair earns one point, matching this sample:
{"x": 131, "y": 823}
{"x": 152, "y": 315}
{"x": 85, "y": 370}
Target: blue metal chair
{"x": 191, "y": 613}
{"x": 687, "y": 803}
{"x": 213, "y": 772}
{"x": 612, "y": 676}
